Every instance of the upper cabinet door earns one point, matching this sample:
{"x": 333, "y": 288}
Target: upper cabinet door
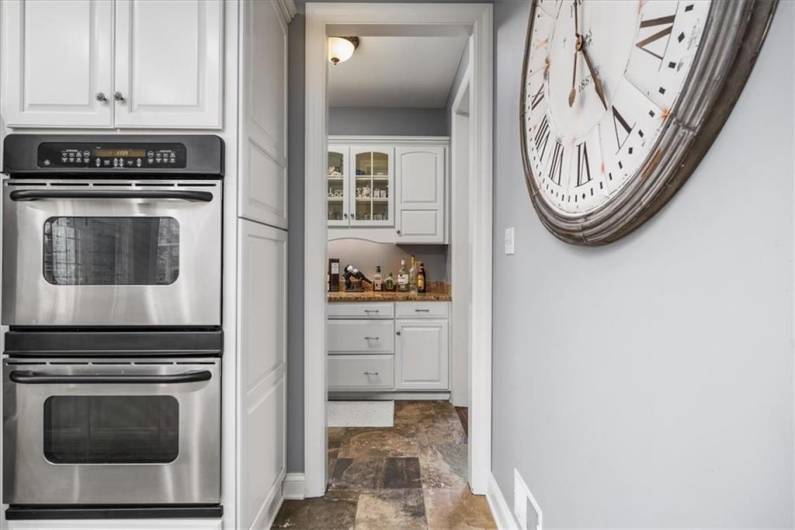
{"x": 57, "y": 63}
{"x": 421, "y": 194}
{"x": 169, "y": 67}
{"x": 371, "y": 186}
{"x": 262, "y": 191}
{"x": 338, "y": 186}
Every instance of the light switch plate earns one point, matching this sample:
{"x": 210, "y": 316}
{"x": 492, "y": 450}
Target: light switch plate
{"x": 510, "y": 241}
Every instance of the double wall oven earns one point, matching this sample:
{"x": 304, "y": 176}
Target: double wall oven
{"x": 111, "y": 289}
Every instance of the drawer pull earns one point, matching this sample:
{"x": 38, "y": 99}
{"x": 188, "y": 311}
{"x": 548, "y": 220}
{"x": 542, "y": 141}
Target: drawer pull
{"x": 370, "y": 373}
{"x": 372, "y": 338}
{"x": 368, "y": 311}
{"x": 422, "y": 310}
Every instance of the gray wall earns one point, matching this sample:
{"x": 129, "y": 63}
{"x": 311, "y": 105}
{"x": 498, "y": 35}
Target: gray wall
{"x": 295, "y": 248}
{"x": 649, "y": 383}
{"x": 386, "y": 121}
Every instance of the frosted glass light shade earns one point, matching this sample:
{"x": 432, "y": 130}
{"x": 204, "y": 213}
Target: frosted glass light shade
{"x": 340, "y": 49}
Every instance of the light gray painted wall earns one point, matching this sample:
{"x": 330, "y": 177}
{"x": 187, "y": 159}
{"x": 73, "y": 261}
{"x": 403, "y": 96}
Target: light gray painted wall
{"x": 649, "y": 383}
{"x": 387, "y": 121}
{"x": 295, "y": 247}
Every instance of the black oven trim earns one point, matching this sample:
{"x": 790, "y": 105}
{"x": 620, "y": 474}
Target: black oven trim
{"x": 29, "y": 512}
{"x": 205, "y": 156}
{"x": 121, "y": 342}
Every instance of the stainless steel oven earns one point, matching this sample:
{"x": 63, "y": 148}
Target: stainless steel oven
{"x": 111, "y": 431}
{"x": 112, "y": 231}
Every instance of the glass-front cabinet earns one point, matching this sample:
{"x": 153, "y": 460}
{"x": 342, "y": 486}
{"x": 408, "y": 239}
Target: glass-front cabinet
{"x": 337, "y": 177}
{"x": 360, "y": 186}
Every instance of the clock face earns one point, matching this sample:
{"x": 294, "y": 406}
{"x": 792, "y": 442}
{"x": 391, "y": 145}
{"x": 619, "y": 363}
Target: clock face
{"x": 600, "y": 80}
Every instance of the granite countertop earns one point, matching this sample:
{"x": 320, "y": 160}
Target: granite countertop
{"x": 438, "y": 292}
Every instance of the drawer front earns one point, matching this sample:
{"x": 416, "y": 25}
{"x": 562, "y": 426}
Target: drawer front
{"x": 422, "y": 309}
{"x": 361, "y": 372}
{"x": 361, "y": 336}
{"x": 373, "y": 310}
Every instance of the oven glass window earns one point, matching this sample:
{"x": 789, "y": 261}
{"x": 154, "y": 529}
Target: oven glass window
{"x": 111, "y": 429}
{"x": 111, "y": 250}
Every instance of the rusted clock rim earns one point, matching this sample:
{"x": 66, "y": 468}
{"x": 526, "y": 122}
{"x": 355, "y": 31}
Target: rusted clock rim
{"x": 734, "y": 34}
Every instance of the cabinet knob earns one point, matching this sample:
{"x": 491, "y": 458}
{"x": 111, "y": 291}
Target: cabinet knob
{"x": 345, "y": 215}
{"x": 118, "y": 97}
{"x": 102, "y": 97}
{"x": 398, "y": 231}
{"x": 397, "y": 333}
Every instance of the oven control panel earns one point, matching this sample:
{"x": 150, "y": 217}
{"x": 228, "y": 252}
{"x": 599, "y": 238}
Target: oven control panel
{"x": 130, "y": 156}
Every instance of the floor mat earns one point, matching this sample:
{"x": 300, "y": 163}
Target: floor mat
{"x": 361, "y": 413}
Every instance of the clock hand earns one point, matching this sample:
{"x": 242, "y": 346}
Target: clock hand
{"x": 597, "y": 84}
{"x": 577, "y": 47}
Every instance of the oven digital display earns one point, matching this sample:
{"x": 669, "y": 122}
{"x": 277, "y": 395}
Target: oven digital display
{"x": 120, "y": 152}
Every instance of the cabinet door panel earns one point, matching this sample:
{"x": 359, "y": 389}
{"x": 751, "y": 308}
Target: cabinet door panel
{"x": 371, "y": 186}
{"x": 169, "y": 63}
{"x": 422, "y": 355}
{"x": 420, "y": 179}
{"x": 56, "y": 60}
{"x": 263, "y": 109}
{"x": 262, "y": 316}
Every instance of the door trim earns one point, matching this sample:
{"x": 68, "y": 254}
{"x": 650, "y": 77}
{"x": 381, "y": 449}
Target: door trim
{"x": 475, "y": 20}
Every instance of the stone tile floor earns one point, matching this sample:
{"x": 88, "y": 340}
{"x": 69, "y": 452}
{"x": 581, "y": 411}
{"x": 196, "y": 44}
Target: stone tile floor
{"x": 410, "y": 476}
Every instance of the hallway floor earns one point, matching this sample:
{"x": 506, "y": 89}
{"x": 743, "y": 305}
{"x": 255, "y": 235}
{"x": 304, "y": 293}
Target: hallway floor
{"x": 410, "y": 476}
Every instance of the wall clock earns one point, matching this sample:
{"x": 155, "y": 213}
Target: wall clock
{"x": 621, "y": 99}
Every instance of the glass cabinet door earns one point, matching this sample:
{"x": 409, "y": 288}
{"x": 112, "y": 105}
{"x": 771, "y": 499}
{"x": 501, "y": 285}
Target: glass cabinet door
{"x": 372, "y": 187}
{"x": 337, "y": 178}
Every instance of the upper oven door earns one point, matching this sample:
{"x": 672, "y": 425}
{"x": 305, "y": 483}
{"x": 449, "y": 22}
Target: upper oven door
{"x": 111, "y": 254}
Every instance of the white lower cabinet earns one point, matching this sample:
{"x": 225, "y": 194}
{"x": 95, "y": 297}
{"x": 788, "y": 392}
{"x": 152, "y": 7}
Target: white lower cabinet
{"x": 361, "y": 372}
{"x": 388, "y": 346}
{"x": 421, "y": 355}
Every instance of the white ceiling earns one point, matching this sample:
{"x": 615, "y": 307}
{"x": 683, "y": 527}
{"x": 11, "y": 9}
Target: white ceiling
{"x": 411, "y": 72}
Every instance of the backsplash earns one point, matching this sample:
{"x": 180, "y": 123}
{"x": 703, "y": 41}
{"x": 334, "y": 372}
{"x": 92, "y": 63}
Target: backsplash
{"x": 366, "y": 255}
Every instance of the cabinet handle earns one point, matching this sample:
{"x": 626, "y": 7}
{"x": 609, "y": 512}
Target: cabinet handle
{"x": 397, "y": 333}
{"x": 370, "y": 373}
{"x": 368, "y": 311}
{"x": 118, "y": 97}
{"x": 101, "y": 97}
{"x": 372, "y": 338}
{"x": 422, "y": 310}
{"x": 345, "y": 216}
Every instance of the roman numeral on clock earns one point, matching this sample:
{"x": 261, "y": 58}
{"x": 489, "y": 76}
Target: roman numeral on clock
{"x": 621, "y": 127}
{"x": 542, "y": 137}
{"x": 556, "y": 165}
{"x": 538, "y": 97}
{"x": 667, "y": 24}
{"x": 583, "y": 165}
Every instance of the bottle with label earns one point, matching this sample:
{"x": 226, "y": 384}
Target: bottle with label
{"x": 377, "y": 280}
{"x": 413, "y": 275}
{"x": 333, "y": 274}
{"x": 403, "y": 278}
{"x": 422, "y": 283}
{"x": 389, "y": 283}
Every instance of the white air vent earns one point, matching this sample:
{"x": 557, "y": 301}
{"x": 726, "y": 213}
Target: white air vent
{"x": 522, "y": 498}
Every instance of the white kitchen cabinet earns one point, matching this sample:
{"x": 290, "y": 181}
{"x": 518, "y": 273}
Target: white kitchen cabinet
{"x": 57, "y": 63}
{"x": 420, "y": 178}
{"x": 421, "y": 355}
{"x": 169, "y": 63}
{"x": 360, "y": 336}
{"x": 262, "y": 317}
{"x": 388, "y": 189}
{"x": 112, "y": 63}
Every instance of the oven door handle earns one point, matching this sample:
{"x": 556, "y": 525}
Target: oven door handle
{"x": 37, "y": 195}
{"x": 39, "y": 378}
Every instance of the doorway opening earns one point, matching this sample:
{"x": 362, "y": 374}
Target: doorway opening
{"x": 467, "y": 161}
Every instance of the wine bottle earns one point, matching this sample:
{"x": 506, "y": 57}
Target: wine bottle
{"x": 422, "y": 284}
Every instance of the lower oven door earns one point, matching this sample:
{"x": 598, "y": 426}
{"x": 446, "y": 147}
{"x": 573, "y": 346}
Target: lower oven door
{"x": 111, "y": 432}
{"x": 85, "y": 253}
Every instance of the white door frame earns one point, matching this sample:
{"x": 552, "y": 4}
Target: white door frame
{"x": 476, "y": 20}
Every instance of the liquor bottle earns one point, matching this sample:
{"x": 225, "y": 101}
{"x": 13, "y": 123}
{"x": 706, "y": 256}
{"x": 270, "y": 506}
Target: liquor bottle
{"x": 333, "y": 274}
{"x": 389, "y": 283}
{"x": 377, "y": 280}
{"x": 403, "y": 278}
{"x": 422, "y": 283}
{"x": 413, "y": 275}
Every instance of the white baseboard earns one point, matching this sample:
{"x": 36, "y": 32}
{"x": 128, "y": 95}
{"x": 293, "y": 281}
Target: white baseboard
{"x": 499, "y": 506}
{"x": 294, "y": 486}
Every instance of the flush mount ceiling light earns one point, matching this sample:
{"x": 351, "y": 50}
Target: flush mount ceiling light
{"x": 340, "y": 49}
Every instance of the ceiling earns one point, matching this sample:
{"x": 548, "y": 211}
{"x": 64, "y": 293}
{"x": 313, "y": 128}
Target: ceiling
{"x": 393, "y": 72}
